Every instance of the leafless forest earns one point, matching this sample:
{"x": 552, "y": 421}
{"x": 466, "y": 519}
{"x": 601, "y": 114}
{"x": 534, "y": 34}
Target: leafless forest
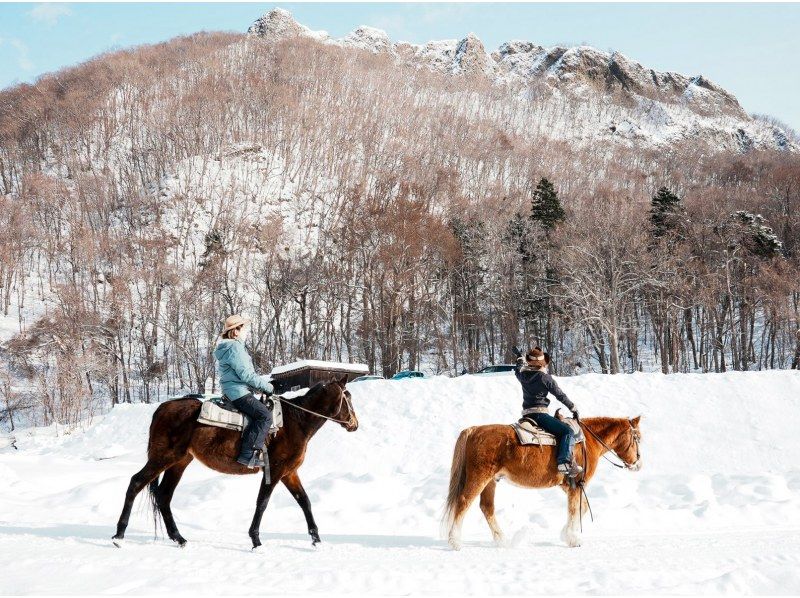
{"x": 425, "y": 242}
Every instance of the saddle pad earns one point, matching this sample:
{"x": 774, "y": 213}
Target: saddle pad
{"x": 212, "y": 414}
{"x": 530, "y": 434}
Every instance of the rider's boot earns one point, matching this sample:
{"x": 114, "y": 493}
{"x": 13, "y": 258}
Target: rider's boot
{"x": 570, "y": 470}
{"x": 251, "y": 458}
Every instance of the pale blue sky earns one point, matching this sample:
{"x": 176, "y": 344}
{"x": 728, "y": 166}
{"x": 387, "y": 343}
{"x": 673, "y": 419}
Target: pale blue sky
{"x": 753, "y": 50}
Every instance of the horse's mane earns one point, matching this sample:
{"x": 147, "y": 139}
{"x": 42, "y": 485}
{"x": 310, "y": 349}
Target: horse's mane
{"x": 302, "y": 402}
{"x": 603, "y": 425}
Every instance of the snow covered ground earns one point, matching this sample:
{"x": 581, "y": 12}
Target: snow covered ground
{"x": 715, "y": 509}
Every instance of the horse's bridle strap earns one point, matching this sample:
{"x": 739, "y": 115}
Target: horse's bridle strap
{"x": 286, "y": 401}
{"x": 624, "y": 464}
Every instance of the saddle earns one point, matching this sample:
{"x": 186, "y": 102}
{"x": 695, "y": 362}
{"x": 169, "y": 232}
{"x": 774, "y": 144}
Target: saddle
{"x": 528, "y": 433}
{"x": 220, "y": 412}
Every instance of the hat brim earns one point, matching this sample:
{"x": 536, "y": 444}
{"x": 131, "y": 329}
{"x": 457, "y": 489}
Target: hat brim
{"x": 242, "y": 323}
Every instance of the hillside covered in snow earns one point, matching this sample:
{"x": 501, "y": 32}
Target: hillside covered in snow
{"x": 363, "y": 200}
{"x": 715, "y": 508}
{"x": 625, "y": 102}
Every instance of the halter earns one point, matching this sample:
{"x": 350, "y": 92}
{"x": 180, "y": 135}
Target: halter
{"x": 343, "y": 397}
{"x": 636, "y": 436}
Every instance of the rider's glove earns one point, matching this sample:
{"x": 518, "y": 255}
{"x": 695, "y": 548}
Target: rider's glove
{"x": 575, "y": 414}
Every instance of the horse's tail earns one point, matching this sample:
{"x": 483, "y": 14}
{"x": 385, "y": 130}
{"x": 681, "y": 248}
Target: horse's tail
{"x": 152, "y": 490}
{"x": 458, "y": 479}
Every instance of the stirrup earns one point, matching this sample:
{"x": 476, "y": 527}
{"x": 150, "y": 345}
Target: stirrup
{"x": 571, "y": 470}
{"x": 256, "y": 460}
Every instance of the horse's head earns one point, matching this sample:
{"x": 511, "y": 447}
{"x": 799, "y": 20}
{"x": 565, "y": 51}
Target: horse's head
{"x": 627, "y": 448}
{"x": 345, "y": 414}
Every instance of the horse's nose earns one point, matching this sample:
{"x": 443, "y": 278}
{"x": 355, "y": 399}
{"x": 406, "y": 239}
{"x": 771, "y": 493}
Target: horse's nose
{"x": 636, "y": 466}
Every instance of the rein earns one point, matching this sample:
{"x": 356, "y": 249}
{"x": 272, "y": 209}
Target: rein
{"x": 296, "y": 406}
{"x": 634, "y": 438}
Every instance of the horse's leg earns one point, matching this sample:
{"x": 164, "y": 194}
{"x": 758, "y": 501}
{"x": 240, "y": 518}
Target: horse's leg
{"x": 487, "y": 507}
{"x": 292, "y": 483}
{"x": 571, "y": 534}
{"x": 139, "y": 480}
{"x": 473, "y": 487}
{"x": 264, "y": 492}
{"x": 164, "y": 494}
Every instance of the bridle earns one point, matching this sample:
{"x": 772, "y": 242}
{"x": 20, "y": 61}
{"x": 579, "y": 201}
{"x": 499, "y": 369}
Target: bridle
{"x": 636, "y": 437}
{"x": 343, "y": 397}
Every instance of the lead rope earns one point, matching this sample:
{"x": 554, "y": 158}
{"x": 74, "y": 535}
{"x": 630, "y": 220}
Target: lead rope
{"x": 582, "y": 486}
{"x": 624, "y": 466}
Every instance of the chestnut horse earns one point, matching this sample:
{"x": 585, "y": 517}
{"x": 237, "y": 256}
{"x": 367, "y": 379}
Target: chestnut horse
{"x": 485, "y": 454}
{"x": 176, "y": 439}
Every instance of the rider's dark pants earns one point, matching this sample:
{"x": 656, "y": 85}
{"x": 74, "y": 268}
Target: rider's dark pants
{"x": 563, "y": 433}
{"x": 257, "y": 428}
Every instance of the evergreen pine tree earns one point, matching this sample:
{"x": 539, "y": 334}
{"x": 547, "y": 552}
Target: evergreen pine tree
{"x": 546, "y": 207}
{"x": 664, "y": 208}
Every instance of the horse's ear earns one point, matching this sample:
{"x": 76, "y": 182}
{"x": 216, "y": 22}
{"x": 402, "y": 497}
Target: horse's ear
{"x": 635, "y": 421}
{"x": 547, "y": 358}
{"x": 342, "y": 381}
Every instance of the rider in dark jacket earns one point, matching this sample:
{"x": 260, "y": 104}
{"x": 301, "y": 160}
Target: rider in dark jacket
{"x": 531, "y": 371}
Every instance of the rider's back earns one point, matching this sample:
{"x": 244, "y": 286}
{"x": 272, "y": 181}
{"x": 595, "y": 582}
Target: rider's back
{"x": 236, "y": 373}
{"x": 536, "y": 384}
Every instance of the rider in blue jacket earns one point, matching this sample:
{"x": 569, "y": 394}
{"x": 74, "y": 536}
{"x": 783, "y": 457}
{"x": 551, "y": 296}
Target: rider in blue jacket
{"x": 237, "y": 377}
{"x": 531, "y": 371}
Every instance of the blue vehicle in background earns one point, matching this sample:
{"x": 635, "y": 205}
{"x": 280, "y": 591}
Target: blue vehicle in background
{"x": 408, "y": 374}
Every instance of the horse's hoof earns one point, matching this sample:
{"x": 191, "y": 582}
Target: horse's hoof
{"x": 257, "y": 549}
{"x": 574, "y": 544}
{"x": 118, "y": 542}
{"x": 180, "y": 541}
{"x": 501, "y": 542}
{"x": 454, "y": 544}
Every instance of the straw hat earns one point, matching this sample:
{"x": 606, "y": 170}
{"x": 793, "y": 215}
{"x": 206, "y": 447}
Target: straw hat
{"x": 234, "y": 321}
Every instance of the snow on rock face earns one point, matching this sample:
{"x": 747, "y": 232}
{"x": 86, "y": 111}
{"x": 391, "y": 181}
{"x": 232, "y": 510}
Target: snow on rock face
{"x": 436, "y": 55}
{"x": 471, "y": 58}
{"x": 279, "y": 24}
{"x": 697, "y": 107}
{"x": 368, "y": 38}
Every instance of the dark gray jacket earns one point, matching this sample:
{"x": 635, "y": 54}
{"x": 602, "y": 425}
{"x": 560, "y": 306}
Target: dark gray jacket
{"x": 536, "y": 384}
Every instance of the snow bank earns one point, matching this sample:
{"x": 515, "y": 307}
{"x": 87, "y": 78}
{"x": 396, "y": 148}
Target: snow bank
{"x": 720, "y": 468}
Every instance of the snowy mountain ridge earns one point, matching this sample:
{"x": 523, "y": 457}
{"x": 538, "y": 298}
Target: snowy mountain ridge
{"x": 663, "y": 107}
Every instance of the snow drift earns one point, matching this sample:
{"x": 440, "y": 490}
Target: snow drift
{"x": 714, "y": 509}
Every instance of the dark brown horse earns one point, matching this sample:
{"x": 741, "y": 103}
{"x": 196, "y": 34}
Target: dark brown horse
{"x": 485, "y": 454}
{"x": 176, "y": 439}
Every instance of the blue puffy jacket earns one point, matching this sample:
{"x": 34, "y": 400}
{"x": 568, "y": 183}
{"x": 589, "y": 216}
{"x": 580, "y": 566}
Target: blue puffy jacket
{"x": 236, "y": 373}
